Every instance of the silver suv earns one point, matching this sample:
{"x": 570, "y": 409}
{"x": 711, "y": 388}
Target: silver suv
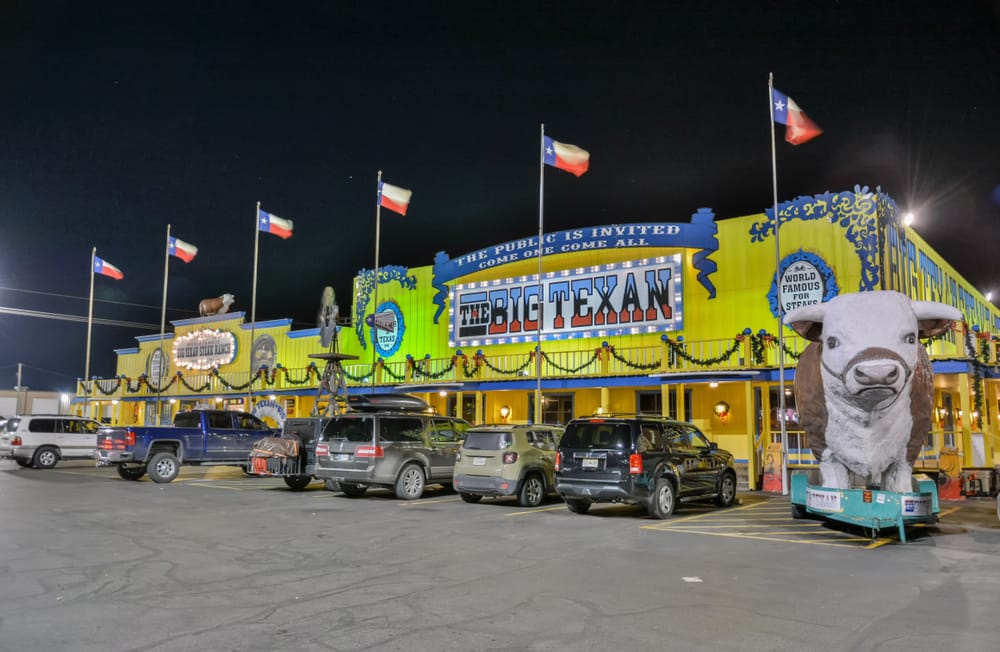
{"x": 404, "y": 451}
{"x": 41, "y": 440}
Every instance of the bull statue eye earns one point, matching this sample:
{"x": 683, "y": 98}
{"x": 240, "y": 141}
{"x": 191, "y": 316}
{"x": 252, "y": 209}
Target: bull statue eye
{"x": 832, "y": 342}
{"x": 911, "y": 338}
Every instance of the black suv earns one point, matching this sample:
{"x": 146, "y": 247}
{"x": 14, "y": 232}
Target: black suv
{"x": 646, "y": 460}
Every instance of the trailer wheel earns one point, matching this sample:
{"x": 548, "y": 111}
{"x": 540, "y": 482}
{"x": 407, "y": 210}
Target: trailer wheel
{"x": 298, "y": 482}
{"x": 131, "y": 472}
{"x": 799, "y": 511}
{"x": 163, "y": 467}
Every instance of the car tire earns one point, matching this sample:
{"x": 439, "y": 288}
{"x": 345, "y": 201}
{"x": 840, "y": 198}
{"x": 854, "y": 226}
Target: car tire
{"x": 132, "y": 473}
{"x": 298, "y": 482}
{"x": 532, "y": 491}
{"x": 578, "y": 505}
{"x": 799, "y": 511}
{"x": 470, "y": 498}
{"x": 663, "y": 500}
{"x": 727, "y": 490}
{"x": 410, "y": 482}
{"x": 45, "y": 458}
{"x": 331, "y": 485}
{"x": 23, "y": 462}
{"x": 163, "y": 467}
{"x": 353, "y": 490}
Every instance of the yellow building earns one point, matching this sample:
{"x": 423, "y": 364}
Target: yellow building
{"x": 675, "y": 318}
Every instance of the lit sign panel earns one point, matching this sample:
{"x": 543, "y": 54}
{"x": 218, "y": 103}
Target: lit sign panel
{"x": 204, "y": 349}
{"x": 621, "y": 298}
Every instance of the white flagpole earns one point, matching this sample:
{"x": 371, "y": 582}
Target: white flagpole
{"x": 90, "y": 321}
{"x": 163, "y": 326}
{"x": 781, "y": 310}
{"x": 253, "y": 306}
{"x": 378, "y": 235}
{"x": 541, "y": 233}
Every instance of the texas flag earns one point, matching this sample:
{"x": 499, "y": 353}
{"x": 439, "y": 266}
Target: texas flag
{"x": 183, "y": 250}
{"x": 274, "y": 225}
{"x": 798, "y": 127}
{"x": 102, "y": 266}
{"x": 566, "y": 157}
{"x": 393, "y": 197}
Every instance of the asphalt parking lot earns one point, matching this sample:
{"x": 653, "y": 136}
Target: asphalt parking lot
{"x": 219, "y": 561}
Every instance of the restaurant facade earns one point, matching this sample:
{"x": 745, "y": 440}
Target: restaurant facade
{"x": 676, "y": 318}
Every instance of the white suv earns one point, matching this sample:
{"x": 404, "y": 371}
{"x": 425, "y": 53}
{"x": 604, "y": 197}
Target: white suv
{"x": 42, "y": 440}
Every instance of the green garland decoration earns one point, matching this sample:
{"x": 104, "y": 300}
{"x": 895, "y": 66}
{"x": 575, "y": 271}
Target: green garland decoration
{"x": 633, "y": 365}
{"x": 310, "y": 370}
{"x": 417, "y": 371}
{"x": 508, "y": 372}
{"x": 360, "y": 378}
{"x": 193, "y": 389}
{"x": 677, "y": 349}
{"x": 158, "y": 390}
{"x": 977, "y": 374}
{"x": 106, "y": 392}
{"x": 574, "y": 370}
{"x": 389, "y": 372}
{"x": 236, "y": 388}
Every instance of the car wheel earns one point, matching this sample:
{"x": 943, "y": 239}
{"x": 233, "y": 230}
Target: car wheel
{"x": 532, "y": 492}
{"x": 22, "y": 462}
{"x": 470, "y": 498}
{"x": 131, "y": 472}
{"x": 331, "y": 485}
{"x": 163, "y": 467}
{"x": 410, "y": 483}
{"x": 45, "y": 458}
{"x": 298, "y": 482}
{"x": 353, "y": 490}
{"x": 578, "y": 506}
{"x": 661, "y": 503}
{"x": 727, "y": 490}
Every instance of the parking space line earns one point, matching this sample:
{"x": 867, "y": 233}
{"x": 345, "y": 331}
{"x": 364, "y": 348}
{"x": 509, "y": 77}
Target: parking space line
{"x": 537, "y": 509}
{"x": 414, "y": 503}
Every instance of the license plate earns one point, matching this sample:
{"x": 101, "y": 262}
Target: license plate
{"x": 478, "y": 461}
{"x": 590, "y": 462}
{"x": 341, "y": 457}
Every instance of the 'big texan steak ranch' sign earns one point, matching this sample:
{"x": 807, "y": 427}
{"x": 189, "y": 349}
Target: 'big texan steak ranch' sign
{"x": 630, "y": 297}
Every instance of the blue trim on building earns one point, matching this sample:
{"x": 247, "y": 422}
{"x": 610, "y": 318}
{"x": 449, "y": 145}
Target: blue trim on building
{"x": 134, "y": 349}
{"x": 308, "y": 332}
{"x": 154, "y": 338}
{"x": 271, "y": 323}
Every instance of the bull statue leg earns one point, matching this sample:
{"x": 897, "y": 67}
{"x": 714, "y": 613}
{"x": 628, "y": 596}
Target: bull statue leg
{"x": 833, "y": 472}
{"x": 898, "y": 477}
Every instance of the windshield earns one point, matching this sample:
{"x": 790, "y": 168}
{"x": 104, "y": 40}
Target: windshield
{"x": 486, "y": 440}
{"x": 597, "y": 434}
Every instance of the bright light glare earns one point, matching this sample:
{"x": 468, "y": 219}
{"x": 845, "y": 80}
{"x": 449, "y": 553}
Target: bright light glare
{"x": 989, "y": 296}
{"x": 908, "y": 219}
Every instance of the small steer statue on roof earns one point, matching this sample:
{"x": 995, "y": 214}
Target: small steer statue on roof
{"x": 864, "y": 387}
{"x": 215, "y": 306}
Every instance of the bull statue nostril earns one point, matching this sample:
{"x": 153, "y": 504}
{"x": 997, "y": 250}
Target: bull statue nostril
{"x": 881, "y": 374}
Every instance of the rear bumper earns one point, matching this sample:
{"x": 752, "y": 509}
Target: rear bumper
{"x": 351, "y": 476}
{"x": 107, "y": 458}
{"x": 484, "y": 485}
{"x": 597, "y": 491}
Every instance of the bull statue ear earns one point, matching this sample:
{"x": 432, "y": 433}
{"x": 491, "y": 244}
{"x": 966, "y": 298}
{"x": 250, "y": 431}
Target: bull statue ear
{"x": 807, "y": 321}
{"x": 934, "y": 318}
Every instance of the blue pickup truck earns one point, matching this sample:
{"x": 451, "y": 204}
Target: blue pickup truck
{"x": 202, "y": 437}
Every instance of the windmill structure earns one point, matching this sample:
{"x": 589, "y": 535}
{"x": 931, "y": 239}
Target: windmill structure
{"x": 331, "y": 394}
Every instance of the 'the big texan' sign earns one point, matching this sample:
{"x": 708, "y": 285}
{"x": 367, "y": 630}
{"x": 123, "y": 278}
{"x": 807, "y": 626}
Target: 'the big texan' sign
{"x": 631, "y": 297}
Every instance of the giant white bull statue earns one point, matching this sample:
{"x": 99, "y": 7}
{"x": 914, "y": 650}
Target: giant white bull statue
{"x": 864, "y": 387}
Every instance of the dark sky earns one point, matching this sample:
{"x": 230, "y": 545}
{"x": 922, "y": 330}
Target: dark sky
{"x": 118, "y": 118}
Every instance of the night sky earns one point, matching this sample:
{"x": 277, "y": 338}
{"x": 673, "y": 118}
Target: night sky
{"x": 119, "y": 118}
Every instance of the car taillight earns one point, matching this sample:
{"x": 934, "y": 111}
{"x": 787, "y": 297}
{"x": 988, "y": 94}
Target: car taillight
{"x": 15, "y": 441}
{"x": 635, "y": 464}
{"x": 369, "y": 451}
{"x": 558, "y": 461}
{"x": 129, "y": 437}
{"x": 509, "y": 458}
{"x": 322, "y": 449}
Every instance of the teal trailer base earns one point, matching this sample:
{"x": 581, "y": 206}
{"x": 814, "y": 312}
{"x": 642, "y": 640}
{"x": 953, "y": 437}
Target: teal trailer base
{"x": 869, "y": 508}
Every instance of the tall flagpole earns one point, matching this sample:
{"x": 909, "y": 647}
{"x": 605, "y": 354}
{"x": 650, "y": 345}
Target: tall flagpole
{"x": 378, "y": 235}
{"x": 781, "y": 305}
{"x": 90, "y": 320}
{"x": 541, "y": 233}
{"x": 163, "y": 327}
{"x": 253, "y": 306}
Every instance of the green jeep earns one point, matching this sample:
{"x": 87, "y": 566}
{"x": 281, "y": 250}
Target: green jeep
{"x": 507, "y": 460}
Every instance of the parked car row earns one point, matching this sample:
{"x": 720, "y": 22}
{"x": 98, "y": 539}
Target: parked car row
{"x": 395, "y": 442}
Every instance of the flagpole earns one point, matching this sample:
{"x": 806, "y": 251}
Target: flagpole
{"x": 541, "y": 232}
{"x": 253, "y": 306}
{"x": 90, "y": 320}
{"x": 378, "y": 235}
{"x": 163, "y": 326}
{"x": 777, "y": 284}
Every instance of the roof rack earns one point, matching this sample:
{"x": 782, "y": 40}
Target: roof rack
{"x": 397, "y": 402}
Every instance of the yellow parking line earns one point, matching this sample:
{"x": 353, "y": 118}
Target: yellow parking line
{"x": 536, "y": 510}
{"x": 414, "y": 503}
{"x": 948, "y": 511}
{"x": 734, "y": 535}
